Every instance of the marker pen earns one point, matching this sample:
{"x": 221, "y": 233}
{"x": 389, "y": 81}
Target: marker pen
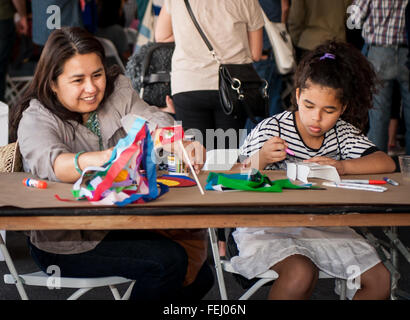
{"x": 390, "y": 181}
{"x": 365, "y": 181}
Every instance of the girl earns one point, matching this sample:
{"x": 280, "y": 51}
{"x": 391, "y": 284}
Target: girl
{"x": 334, "y": 86}
{"x": 69, "y": 119}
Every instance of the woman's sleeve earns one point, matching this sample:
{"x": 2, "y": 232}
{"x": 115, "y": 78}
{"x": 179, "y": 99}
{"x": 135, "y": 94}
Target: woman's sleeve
{"x": 254, "y": 15}
{"x": 40, "y": 143}
{"x": 167, "y": 5}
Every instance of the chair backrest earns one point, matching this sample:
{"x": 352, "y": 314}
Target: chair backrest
{"x": 4, "y": 124}
{"x": 18, "y": 81}
{"x": 10, "y": 157}
{"x": 111, "y": 51}
{"x": 132, "y": 35}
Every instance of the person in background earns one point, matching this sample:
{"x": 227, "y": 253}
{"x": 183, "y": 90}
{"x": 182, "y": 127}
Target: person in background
{"x": 332, "y": 95}
{"x": 45, "y": 17}
{"x": 111, "y": 22}
{"x": 311, "y": 22}
{"x": 383, "y": 25}
{"x": 8, "y": 34}
{"x": 408, "y": 33}
{"x": 277, "y": 11}
{"x": 194, "y": 75}
{"x": 234, "y": 29}
{"x": 70, "y": 119}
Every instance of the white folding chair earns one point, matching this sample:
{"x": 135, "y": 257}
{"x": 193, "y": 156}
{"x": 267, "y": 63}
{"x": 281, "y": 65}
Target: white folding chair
{"x": 10, "y": 163}
{"x": 42, "y": 279}
{"x": 263, "y": 278}
{"x": 111, "y": 51}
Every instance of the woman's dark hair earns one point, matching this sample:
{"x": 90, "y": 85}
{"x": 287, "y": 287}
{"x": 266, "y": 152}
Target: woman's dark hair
{"x": 349, "y": 73}
{"x": 62, "y": 45}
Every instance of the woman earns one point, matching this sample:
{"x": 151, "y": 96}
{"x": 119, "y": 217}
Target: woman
{"x": 69, "y": 119}
{"x": 234, "y": 29}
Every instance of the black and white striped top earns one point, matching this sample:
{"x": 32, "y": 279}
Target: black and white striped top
{"x": 341, "y": 142}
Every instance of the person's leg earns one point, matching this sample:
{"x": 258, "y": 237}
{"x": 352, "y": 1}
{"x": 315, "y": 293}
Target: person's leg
{"x": 379, "y": 116}
{"x": 403, "y": 80}
{"x": 199, "y": 288}
{"x": 228, "y": 128}
{"x": 193, "y": 110}
{"x": 375, "y": 284}
{"x": 297, "y": 279}
{"x": 7, "y": 34}
{"x": 157, "y": 263}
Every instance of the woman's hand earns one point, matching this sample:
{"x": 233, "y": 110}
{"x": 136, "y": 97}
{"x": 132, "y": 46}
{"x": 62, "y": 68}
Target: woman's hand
{"x": 339, "y": 165}
{"x": 195, "y": 151}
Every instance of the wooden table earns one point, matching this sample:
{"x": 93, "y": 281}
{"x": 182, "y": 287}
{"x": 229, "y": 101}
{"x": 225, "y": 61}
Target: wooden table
{"x": 23, "y": 208}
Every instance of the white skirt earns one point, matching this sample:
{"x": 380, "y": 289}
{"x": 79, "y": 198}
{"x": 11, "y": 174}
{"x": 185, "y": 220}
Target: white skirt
{"x": 337, "y": 251}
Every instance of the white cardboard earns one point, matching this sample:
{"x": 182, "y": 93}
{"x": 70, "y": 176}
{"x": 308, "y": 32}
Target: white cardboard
{"x": 303, "y": 171}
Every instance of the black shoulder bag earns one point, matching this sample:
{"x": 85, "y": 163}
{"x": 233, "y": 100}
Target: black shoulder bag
{"x": 240, "y": 87}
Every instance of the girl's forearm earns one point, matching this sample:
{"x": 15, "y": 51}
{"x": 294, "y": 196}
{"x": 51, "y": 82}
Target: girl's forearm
{"x": 377, "y": 162}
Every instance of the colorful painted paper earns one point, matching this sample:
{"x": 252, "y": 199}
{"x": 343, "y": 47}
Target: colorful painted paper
{"x": 128, "y": 177}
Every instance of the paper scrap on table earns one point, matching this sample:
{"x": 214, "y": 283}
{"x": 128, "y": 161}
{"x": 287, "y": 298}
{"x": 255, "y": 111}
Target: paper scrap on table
{"x": 302, "y": 171}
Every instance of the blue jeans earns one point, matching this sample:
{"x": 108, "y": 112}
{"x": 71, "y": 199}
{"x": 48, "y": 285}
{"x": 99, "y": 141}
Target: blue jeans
{"x": 7, "y": 35}
{"x": 267, "y": 70}
{"x": 390, "y": 65}
{"x": 157, "y": 263}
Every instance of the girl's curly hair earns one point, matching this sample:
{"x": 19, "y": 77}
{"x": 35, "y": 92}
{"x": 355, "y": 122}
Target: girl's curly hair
{"x": 350, "y": 73}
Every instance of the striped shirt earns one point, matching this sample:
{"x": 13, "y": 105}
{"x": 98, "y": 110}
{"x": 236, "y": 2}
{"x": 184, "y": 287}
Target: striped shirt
{"x": 342, "y": 142}
{"x": 383, "y": 21}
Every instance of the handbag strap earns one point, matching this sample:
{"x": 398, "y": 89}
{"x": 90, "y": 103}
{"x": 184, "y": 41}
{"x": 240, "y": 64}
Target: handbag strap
{"x": 201, "y": 33}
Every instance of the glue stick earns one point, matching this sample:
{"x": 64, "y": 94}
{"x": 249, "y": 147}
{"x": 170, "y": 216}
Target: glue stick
{"x": 35, "y": 183}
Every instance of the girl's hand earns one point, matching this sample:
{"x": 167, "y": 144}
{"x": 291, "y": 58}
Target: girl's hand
{"x": 338, "y": 164}
{"x": 272, "y": 151}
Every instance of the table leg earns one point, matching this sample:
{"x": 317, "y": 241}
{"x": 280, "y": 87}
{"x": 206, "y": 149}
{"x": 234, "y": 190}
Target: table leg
{"x": 397, "y": 246}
